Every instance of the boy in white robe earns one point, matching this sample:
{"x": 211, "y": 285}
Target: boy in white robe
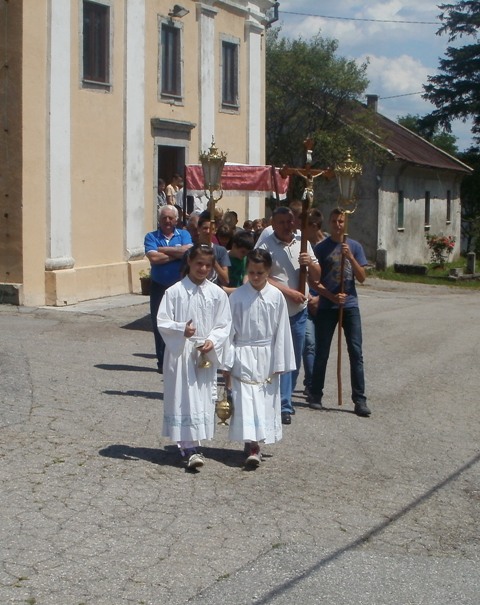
{"x": 261, "y": 350}
{"x": 194, "y": 320}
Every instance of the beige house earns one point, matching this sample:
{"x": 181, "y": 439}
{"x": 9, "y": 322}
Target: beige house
{"x": 99, "y": 100}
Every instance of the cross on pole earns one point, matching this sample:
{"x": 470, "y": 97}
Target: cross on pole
{"x": 308, "y": 174}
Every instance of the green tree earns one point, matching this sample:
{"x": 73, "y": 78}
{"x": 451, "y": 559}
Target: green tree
{"x": 308, "y": 90}
{"x": 470, "y": 197}
{"x": 455, "y": 90}
{"x": 436, "y": 136}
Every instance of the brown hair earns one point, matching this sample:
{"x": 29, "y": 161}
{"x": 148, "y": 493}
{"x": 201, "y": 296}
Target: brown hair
{"x": 259, "y": 255}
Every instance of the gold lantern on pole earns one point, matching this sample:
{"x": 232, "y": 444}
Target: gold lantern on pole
{"x": 347, "y": 173}
{"x": 213, "y": 162}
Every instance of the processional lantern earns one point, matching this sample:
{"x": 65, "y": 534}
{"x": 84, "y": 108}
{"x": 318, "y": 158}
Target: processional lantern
{"x": 347, "y": 173}
{"x": 213, "y": 162}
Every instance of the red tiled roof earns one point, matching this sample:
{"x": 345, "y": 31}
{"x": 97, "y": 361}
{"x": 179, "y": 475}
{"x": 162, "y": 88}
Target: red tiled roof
{"x": 402, "y": 144}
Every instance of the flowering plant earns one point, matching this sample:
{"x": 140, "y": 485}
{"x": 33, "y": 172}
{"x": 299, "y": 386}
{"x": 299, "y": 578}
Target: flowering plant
{"x": 440, "y": 246}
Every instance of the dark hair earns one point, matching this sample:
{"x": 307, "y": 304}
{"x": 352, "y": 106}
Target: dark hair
{"x": 259, "y": 255}
{"x": 315, "y": 217}
{"x": 198, "y": 249}
{"x": 243, "y": 239}
{"x": 281, "y": 210}
{"x": 230, "y": 218}
{"x": 204, "y": 218}
{"x": 224, "y": 230}
{"x": 296, "y": 207}
{"x": 336, "y": 212}
{"x": 192, "y": 253}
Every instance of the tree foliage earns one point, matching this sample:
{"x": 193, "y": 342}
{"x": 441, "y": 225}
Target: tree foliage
{"x": 455, "y": 90}
{"x": 436, "y": 136}
{"x": 308, "y": 88}
{"x": 470, "y": 196}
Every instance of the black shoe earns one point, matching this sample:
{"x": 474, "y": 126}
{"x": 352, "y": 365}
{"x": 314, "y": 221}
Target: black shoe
{"x": 361, "y": 409}
{"x": 286, "y": 418}
{"x": 316, "y": 405}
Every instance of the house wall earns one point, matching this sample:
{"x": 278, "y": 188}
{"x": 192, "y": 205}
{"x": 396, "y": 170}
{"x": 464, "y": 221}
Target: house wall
{"x": 408, "y": 244}
{"x": 374, "y": 222}
{"x": 11, "y": 182}
{"x": 79, "y": 193}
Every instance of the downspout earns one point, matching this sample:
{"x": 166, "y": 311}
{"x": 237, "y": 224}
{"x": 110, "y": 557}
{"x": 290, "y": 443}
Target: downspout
{"x": 274, "y": 19}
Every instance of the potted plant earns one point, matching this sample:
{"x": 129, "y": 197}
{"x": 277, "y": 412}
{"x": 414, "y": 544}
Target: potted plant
{"x": 145, "y": 280}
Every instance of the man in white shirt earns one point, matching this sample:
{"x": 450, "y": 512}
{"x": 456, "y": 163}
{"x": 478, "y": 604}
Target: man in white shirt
{"x": 284, "y": 246}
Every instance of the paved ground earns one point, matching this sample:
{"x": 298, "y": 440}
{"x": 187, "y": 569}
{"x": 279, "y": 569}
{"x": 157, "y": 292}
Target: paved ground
{"x": 96, "y": 510}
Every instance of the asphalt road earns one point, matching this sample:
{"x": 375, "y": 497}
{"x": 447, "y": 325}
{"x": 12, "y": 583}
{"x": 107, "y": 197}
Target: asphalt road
{"x": 96, "y": 510}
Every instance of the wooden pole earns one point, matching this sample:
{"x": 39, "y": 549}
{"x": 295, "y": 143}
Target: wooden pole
{"x": 306, "y": 205}
{"x": 308, "y": 174}
{"x": 211, "y": 204}
{"x": 340, "y": 318}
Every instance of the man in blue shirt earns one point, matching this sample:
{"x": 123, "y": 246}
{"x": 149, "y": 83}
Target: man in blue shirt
{"x": 329, "y": 253}
{"x": 164, "y": 249}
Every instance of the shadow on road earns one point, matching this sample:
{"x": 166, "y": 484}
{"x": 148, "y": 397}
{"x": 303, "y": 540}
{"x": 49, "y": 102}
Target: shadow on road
{"x": 146, "y": 394}
{"x": 170, "y": 455}
{"x": 121, "y": 367}
{"x": 375, "y": 531}
{"x": 142, "y": 323}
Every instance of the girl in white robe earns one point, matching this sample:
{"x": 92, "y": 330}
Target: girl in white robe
{"x": 261, "y": 350}
{"x": 194, "y": 320}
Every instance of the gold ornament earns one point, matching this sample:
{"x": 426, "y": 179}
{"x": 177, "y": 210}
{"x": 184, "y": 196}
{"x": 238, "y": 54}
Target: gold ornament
{"x": 203, "y": 361}
{"x": 224, "y": 409}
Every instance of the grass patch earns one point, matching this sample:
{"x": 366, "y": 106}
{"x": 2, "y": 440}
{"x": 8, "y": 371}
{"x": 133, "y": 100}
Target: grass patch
{"x": 437, "y": 276}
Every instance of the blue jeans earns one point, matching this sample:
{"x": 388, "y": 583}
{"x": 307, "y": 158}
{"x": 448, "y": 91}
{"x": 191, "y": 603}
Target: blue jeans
{"x": 156, "y": 294}
{"x": 289, "y": 380}
{"x": 325, "y": 323}
{"x": 309, "y": 351}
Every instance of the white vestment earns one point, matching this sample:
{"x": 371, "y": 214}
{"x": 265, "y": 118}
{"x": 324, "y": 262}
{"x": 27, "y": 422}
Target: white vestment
{"x": 261, "y": 348}
{"x": 189, "y": 409}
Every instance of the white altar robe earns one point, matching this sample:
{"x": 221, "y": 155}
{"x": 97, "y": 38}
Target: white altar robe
{"x": 189, "y": 409}
{"x": 261, "y": 348}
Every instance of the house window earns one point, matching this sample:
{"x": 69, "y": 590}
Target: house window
{"x": 230, "y": 74}
{"x": 400, "y": 211}
{"x": 427, "y": 210}
{"x": 96, "y": 42}
{"x": 449, "y": 206}
{"x": 171, "y": 63}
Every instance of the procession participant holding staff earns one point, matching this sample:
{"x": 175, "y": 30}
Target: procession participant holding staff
{"x": 336, "y": 293}
{"x": 284, "y": 246}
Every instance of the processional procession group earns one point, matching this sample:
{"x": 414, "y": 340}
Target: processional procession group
{"x": 292, "y": 284}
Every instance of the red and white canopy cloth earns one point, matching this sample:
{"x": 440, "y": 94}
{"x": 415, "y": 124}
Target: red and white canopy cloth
{"x": 239, "y": 178}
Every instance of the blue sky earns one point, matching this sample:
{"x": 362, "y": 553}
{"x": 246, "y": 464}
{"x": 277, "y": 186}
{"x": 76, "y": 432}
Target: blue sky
{"x": 401, "y": 55}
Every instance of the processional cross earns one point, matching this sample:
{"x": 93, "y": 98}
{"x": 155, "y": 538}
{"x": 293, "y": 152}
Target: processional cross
{"x": 308, "y": 174}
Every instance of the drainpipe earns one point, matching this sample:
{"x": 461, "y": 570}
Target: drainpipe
{"x": 274, "y": 19}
